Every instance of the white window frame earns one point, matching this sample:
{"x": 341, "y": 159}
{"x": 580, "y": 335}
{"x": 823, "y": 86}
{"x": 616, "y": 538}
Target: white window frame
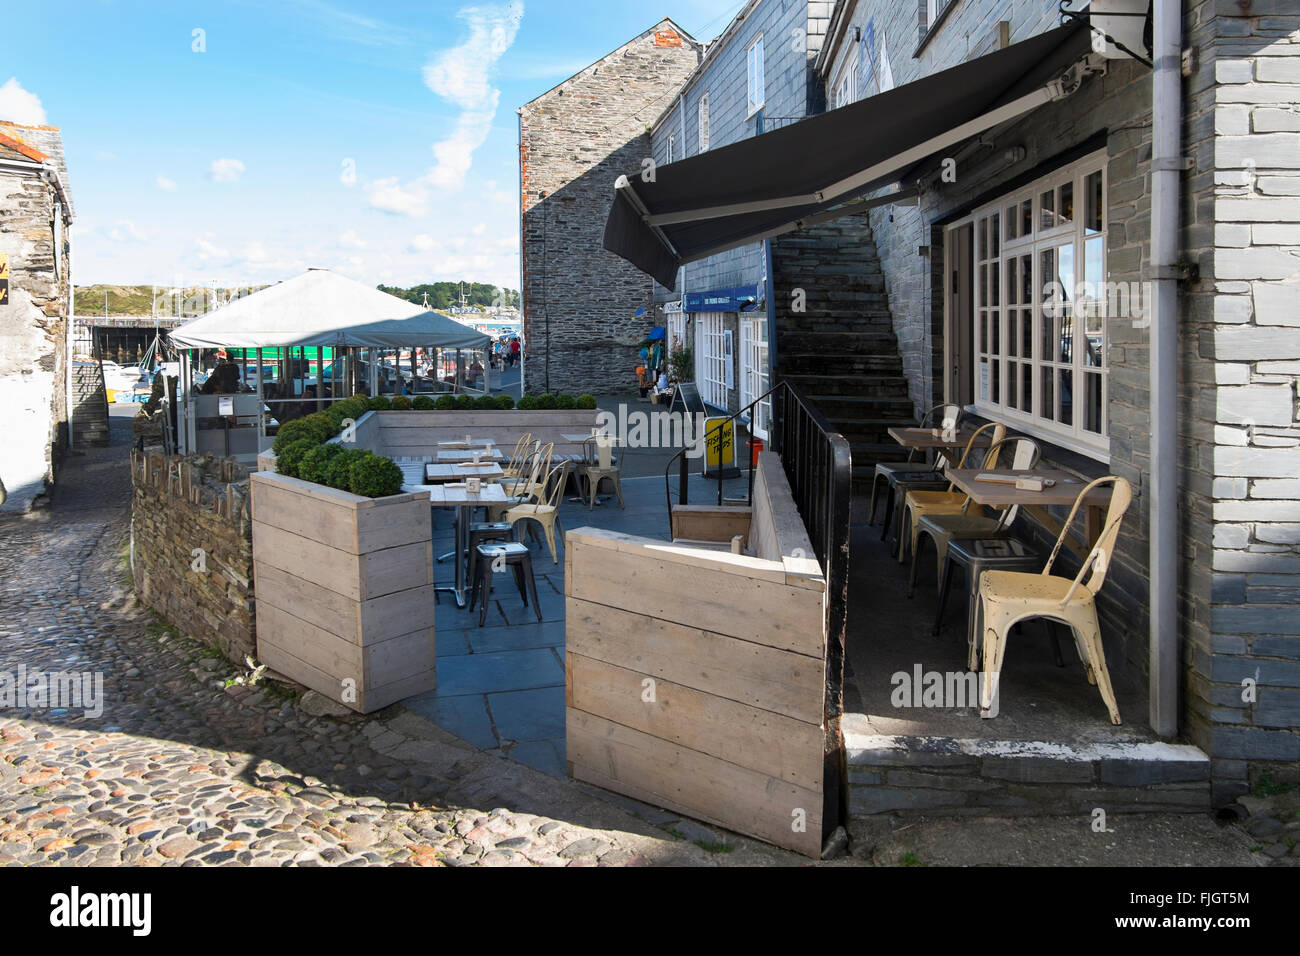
{"x": 702, "y": 122}
{"x": 711, "y": 357}
{"x": 754, "y": 372}
{"x": 755, "y": 64}
{"x": 676, "y": 331}
{"x": 933, "y": 8}
{"x": 1010, "y": 255}
{"x": 672, "y": 141}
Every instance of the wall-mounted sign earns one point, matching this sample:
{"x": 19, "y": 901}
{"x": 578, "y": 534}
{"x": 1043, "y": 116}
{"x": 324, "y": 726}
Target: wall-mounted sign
{"x": 4, "y": 278}
{"x": 668, "y": 38}
{"x": 722, "y": 300}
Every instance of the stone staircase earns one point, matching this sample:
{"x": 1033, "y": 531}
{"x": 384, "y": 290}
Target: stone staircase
{"x": 89, "y": 399}
{"x": 841, "y": 351}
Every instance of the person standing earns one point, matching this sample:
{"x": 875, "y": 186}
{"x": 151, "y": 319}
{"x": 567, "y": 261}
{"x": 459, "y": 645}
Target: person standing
{"x": 514, "y": 352}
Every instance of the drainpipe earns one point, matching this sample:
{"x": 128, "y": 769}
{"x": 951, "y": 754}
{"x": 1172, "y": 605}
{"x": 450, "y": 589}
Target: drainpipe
{"x": 1166, "y": 167}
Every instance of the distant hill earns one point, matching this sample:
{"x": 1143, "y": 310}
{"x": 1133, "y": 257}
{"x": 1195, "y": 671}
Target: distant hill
{"x": 140, "y": 299}
{"x": 443, "y": 295}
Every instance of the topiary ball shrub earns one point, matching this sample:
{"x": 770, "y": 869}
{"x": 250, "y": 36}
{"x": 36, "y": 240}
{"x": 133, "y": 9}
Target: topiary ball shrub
{"x": 528, "y": 403}
{"x": 587, "y": 401}
{"x": 401, "y": 403}
{"x": 566, "y": 402}
{"x": 355, "y": 407}
{"x": 311, "y": 427}
{"x": 422, "y": 403}
{"x": 546, "y": 401}
{"x": 486, "y": 403}
{"x": 379, "y": 403}
{"x": 374, "y": 477}
{"x": 464, "y": 402}
{"x": 338, "y": 470}
{"x": 505, "y": 402}
{"x": 445, "y": 403}
{"x": 288, "y": 460}
{"x": 314, "y": 466}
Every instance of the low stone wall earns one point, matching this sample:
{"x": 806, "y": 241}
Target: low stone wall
{"x": 192, "y": 547}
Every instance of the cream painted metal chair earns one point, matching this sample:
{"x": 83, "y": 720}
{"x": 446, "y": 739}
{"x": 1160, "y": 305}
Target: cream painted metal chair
{"x": 1009, "y": 597}
{"x": 941, "y": 524}
{"x": 523, "y": 488}
{"x": 519, "y": 456}
{"x": 546, "y": 510}
{"x": 598, "y": 465}
{"x": 919, "y": 501}
{"x": 948, "y": 416}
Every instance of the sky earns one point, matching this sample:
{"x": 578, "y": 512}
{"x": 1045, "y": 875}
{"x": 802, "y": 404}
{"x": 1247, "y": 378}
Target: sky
{"x": 241, "y": 142}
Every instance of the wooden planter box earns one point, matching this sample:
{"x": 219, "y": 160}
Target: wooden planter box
{"x": 344, "y": 588}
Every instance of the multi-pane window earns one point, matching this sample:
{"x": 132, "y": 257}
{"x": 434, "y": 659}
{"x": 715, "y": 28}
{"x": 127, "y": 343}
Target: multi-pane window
{"x": 933, "y": 9}
{"x": 757, "y": 95}
{"x": 672, "y": 143}
{"x": 1042, "y": 301}
{"x": 753, "y": 374}
{"x": 711, "y": 358}
{"x": 702, "y": 115}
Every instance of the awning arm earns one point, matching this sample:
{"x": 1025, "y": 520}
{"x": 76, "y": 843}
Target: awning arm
{"x": 623, "y": 187}
{"x": 1058, "y": 88}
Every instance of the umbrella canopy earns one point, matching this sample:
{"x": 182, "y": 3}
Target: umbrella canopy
{"x": 658, "y": 332}
{"x": 322, "y": 308}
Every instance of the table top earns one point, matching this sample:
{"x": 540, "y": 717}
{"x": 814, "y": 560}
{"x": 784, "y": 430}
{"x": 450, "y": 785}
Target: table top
{"x": 925, "y": 438}
{"x": 997, "y": 494}
{"x": 492, "y": 454}
{"x": 473, "y": 443}
{"x": 445, "y": 471}
{"x": 444, "y": 496}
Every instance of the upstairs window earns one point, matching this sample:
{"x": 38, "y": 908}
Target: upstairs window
{"x": 672, "y": 144}
{"x": 757, "y": 96}
{"x": 702, "y": 112}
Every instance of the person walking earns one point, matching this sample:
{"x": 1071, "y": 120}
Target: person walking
{"x": 514, "y": 352}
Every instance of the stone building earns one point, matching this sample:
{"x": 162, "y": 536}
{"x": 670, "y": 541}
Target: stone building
{"x": 35, "y": 264}
{"x": 936, "y": 288}
{"x": 580, "y": 329}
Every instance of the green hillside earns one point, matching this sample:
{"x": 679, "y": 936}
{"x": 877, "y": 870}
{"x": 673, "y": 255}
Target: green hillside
{"x": 444, "y": 295}
{"x": 138, "y": 299}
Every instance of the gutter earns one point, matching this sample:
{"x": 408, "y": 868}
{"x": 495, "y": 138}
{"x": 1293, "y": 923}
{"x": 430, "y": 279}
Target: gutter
{"x": 1166, "y": 169}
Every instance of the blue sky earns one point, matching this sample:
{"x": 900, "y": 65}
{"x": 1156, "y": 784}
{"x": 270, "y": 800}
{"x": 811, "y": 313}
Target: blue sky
{"x": 378, "y": 139}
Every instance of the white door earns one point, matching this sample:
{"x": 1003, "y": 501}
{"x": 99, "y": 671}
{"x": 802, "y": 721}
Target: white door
{"x": 711, "y": 358}
{"x": 753, "y": 373}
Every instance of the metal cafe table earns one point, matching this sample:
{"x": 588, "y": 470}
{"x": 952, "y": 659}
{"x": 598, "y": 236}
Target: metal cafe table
{"x": 438, "y": 472}
{"x": 485, "y": 454}
{"x": 997, "y": 489}
{"x": 458, "y": 497}
{"x": 926, "y": 439}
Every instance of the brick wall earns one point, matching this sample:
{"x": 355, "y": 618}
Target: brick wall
{"x": 579, "y": 301}
{"x": 192, "y": 547}
{"x": 1250, "y": 344}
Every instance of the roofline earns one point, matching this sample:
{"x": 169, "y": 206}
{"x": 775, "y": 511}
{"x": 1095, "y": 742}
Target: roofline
{"x": 29, "y": 126}
{"x": 50, "y": 174}
{"x": 835, "y": 31}
{"x": 710, "y": 53}
{"x": 690, "y": 39}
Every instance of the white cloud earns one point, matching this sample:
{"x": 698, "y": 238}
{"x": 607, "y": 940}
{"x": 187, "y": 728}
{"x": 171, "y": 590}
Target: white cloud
{"x": 462, "y": 76}
{"x": 124, "y": 230}
{"x": 421, "y": 243}
{"x": 209, "y": 251}
{"x": 350, "y": 239}
{"x": 226, "y": 170}
{"x": 480, "y": 229}
{"x": 391, "y": 196}
{"x": 255, "y": 252}
{"x": 17, "y": 105}
{"x": 165, "y": 184}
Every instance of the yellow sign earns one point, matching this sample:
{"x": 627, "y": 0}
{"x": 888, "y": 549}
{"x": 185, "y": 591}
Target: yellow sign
{"x": 719, "y": 444}
{"x": 4, "y": 278}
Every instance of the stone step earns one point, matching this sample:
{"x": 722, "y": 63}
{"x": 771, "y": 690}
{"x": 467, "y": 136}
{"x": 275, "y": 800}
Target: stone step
{"x": 850, "y": 386}
{"x": 806, "y": 363}
{"x": 808, "y": 341}
{"x": 913, "y": 775}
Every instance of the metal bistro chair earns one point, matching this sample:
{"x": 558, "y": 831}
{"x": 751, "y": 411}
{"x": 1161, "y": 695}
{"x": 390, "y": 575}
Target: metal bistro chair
{"x": 1008, "y": 597}
{"x": 597, "y": 466}
{"x": 523, "y": 488}
{"x": 518, "y": 457}
{"x": 943, "y": 520}
{"x": 512, "y": 555}
{"x": 546, "y": 510}
{"x": 936, "y": 494}
{"x": 950, "y": 417}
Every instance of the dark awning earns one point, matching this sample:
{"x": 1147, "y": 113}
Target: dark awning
{"x": 775, "y": 182}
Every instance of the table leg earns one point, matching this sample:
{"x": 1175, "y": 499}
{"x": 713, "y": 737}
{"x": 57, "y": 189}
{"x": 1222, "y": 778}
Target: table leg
{"x": 463, "y": 519}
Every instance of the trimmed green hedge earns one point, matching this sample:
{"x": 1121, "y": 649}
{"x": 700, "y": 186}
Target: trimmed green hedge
{"x": 374, "y": 477}
{"x": 303, "y": 450}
